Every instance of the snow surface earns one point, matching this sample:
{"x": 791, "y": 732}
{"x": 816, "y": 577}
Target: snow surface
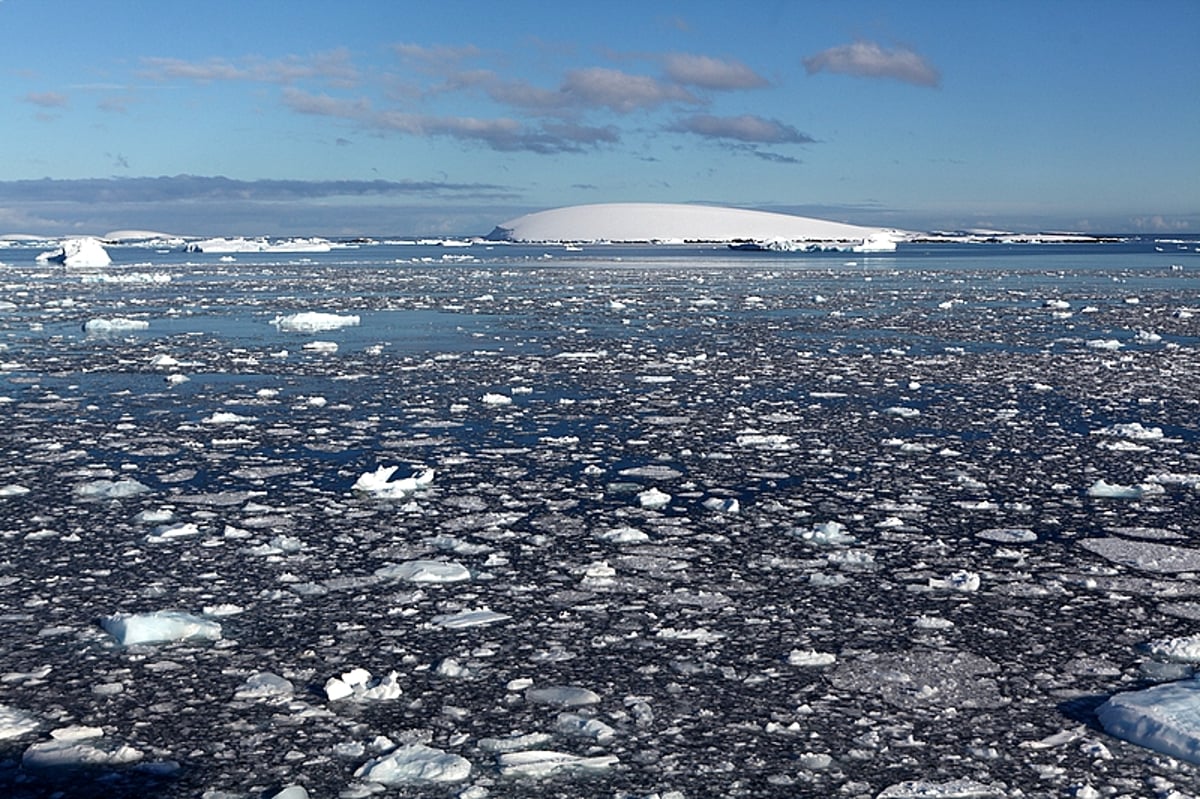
{"x": 768, "y": 525}
{"x": 650, "y": 222}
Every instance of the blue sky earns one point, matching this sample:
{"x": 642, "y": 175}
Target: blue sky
{"x": 422, "y": 118}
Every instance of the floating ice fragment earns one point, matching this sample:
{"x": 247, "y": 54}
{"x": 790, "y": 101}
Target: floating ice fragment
{"x": 653, "y": 499}
{"x": 579, "y": 726}
{"x": 313, "y": 322}
{"x": 514, "y": 743}
{"x": 415, "y": 763}
{"x": 496, "y": 399}
{"x": 763, "y": 440}
{"x": 1133, "y": 430}
{"x": 69, "y": 754}
{"x": 719, "y": 505}
{"x": 425, "y": 571}
{"x": 359, "y": 685}
{"x": 1105, "y": 344}
{"x": 325, "y": 347}
{"x": 1008, "y": 535}
{"x": 810, "y": 657}
{"x": 159, "y": 627}
{"x": 292, "y": 792}
{"x": 110, "y": 489}
{"x": 469, "y": 618}
{"x": 652, "y": 472}
{"x": 962, "y": 788}
{"x": 543, "y": 763}
{"x": 1184, "y": 649}
{"x": 827, "y": 534}
{"x": 168, "y": 532}
{"x": 15, "y": 722}
{"x": 964, "y": 581}
{"x": 1104, "y": 490}
{"x": 562, "y": 696}
{"x": 1165, "y": 718}
{"x": 226, "y": 417}
{"x": 13, "y": 490}
{"x": 265, "y": 685}
{"x": 119, "y": 324}
{"x": 377, "y": 483}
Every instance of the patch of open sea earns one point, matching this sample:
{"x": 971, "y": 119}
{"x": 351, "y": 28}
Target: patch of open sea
{"x": 699, "y": 523}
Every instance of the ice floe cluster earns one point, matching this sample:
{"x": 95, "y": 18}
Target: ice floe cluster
{"x": 676, "y": 528}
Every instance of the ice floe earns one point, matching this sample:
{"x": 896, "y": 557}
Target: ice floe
{"x": 129, "y": 629}
{"x": 314, "y": 322}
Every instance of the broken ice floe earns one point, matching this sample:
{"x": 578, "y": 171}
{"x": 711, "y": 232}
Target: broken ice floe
{"x": 110, "y": 489}
{"x": 415, "y": 763}
{"x": 562, "y": 696}
{"x": 15, "y": 722}
{"x": 160, "y": 627}
{"x": 359, "y": 685}
{"x": 77, "y": 747}
{"x": 425, "y": 571}
{"x": 1145, "y": 555}
{"x": 107, "y": 327}
{"x": 544, "y": 763}
{"x": 379, "y": 483}
{"x": 313, "y": 322}
{"x": 468, "y": 618}
{"x": 265, "y": 685}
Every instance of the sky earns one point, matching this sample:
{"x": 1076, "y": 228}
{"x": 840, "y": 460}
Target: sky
{"x": 401, "y": 118}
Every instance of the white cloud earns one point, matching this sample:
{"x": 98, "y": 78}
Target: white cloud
{"x": 622, "y": 92}
{"x": 869, "y": 60}
{"x": 745, "y": 128}
{"x": 707, "y": 72}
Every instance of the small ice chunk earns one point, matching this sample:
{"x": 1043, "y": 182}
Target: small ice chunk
{"x": 265, "y": 685}
{"x": 359, "y": 685}
{"x": 313, "y": 322}
{"x": 720, "y": 505}
{"x": 1105, "y": 490}
{"x": 962, "y": 788}
{"x": 1133, "y": 430}
{"x": 495, "y": 399}
{"x": 562, "y": 696}
{"x": 469, "y": 618}
{"x": 653, "y": 499}
{"x": 15, "y": 722}
{"x": 226, "y": 417}
{"x": 964, "y": 581}
{"x": 1165, "y": 718}
{"x": 292, "y": 792}
{"x": 167, "y": 532}
{"x": 379, "y": 483}
{"x": 827, "y": 534}
{"x": 543, "y": 763}
{"x": 327, "y": 347}
{"x": 623, "y": 535}
{"x": 13, "y": 490}
{"x": 159, "y": 627}
{"x": 1184, "y": 649}
{"x": 1008, "y": 535}
{"x": 117, "y": 324}
{"x": 415, "y": 763}
{"x": 67, "y": 754}
{"x": 425, "y": 571}
{"x": 579, "y": 726}
{"x": 810, "y": 657}
{"x": 110, "y": 489}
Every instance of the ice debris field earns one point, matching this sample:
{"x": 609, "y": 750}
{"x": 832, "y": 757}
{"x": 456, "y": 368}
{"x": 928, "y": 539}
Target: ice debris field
{"x": 629, "y": 522}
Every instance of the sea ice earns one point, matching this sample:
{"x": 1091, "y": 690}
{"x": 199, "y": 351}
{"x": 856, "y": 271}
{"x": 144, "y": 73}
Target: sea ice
{"x": 159, "y": 627}
{"x": 1145, "y": 555}
{"x": 15, "y": 722}
{"x": 562, "y": 696}
{"x": 377, "y": 483}
{"x": 314, "y": 322}
{"x": 469, "y": 618}
{"x": 359, "y": 685}
{"x": 653, "y": 499}
{"x": 415, "y": 763}
{"x": 110, "y": 489}
{"x": 76, "y": 747}
{"x": 118, "y": 324}
{"x": 543, "y": 763}
{"x": 1165, "y": 718}
{"x": 425, "y": 571}
{"x": 1184, "y": 649}
{"x": 265, "y": 685}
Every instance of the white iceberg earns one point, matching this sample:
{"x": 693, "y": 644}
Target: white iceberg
{"x": 1165, "y": 718}
{"x": 118, "y": 324}
{"x": 314, "y": 322}
{"x": 669, "y": 222}
{"x": 415, "y": 763}
{"x": 84, "y": 252}
{"x": 379, "y": 483}
{"x": 159, "y": 627}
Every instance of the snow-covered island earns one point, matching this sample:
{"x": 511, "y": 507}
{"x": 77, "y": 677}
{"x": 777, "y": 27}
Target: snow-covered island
{"x": 678, "y": 223}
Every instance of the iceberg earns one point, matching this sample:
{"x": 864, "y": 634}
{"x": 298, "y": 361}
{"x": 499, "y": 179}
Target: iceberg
{"x": 1165, "y": 718}
{"x": 415, "y": 763}
{"x": 80, "y": 252}
{"x": 160, "y": 627}
{"x": 678, "y": 222}
{"x": 313, "y": 322}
